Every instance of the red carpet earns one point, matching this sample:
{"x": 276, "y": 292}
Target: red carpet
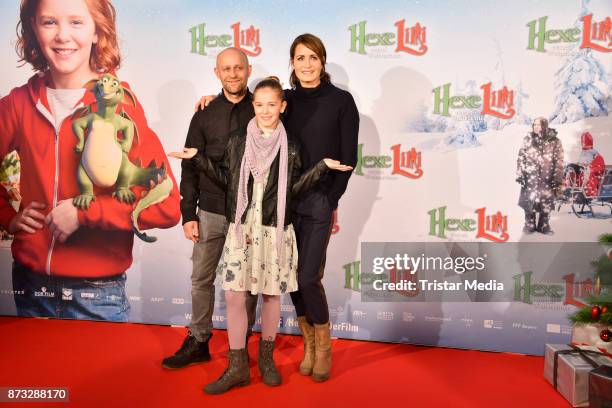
{"x": 118, "y": 365}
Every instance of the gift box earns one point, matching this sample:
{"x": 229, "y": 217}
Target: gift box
{"x": 567, "y": 368}
{"x": 588, "y": 334}
{"x": 600, "y": 387}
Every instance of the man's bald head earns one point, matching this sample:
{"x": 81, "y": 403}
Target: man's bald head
{"x": 233, "y": 70}
{"x": 231, "y": 52}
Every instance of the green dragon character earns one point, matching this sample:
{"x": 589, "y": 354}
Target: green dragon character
{"x": 104, "y": 160}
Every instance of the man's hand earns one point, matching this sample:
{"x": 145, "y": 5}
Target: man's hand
{"x": 192, "y": 231}
{"x": 63, "y": 220}
{"x": 29, "y": 219}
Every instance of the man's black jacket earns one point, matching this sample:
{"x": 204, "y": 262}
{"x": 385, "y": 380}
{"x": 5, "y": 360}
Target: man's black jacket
{"x": 208, "y": 132}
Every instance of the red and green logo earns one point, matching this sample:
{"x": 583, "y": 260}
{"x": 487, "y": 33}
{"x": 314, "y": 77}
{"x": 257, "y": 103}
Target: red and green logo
{"x": 596, "y": 35}
{"x": 572, "y": 292}
{"x": 405, "y": 163}
{"x": 492, "y": 102}
{"x": 409, "y": 39}
{"x": 246, "y": 40}
{"x": 352, "y": 276}
{"x": 492, "y": 227}
{"x": 353, "y": 279}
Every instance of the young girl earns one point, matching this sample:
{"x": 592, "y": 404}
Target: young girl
{"x": 69, "y": 263}
{"x": 262, "y": 172}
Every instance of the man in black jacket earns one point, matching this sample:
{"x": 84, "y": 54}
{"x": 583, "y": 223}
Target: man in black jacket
{"x": 203, "y": 201}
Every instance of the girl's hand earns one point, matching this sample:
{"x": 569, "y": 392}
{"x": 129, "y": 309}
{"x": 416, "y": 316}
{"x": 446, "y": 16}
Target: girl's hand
{"x": 204, "y": 101}
{"x": 186, "y": 154}
{"x": 335, "y": 165}
{"x": 29, "y": 219}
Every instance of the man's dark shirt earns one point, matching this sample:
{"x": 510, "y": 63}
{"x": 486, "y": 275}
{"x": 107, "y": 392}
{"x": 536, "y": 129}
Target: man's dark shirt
{"x": 209, "y": 132}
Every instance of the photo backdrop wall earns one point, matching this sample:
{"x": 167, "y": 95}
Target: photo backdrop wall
{"x": 446, "y": 92}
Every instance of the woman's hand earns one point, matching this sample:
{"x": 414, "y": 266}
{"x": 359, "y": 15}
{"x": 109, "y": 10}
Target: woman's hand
{"x": 336, "y": 165}
{"x": 29, "y": 219}
{"x": 186, "y": 154}
{"x": 204, "y": 101}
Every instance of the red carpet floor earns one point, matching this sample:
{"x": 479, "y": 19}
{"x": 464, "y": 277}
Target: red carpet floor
{"x": 118, "y": 365}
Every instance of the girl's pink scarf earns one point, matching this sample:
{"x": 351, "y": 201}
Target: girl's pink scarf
{"x": 259, "y": 153}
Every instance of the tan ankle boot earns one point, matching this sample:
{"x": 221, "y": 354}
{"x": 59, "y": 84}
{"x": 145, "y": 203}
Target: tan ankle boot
{"x": 308, "y": 334}
{"x": 323, "y": 355}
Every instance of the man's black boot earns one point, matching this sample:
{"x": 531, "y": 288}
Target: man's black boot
{"x": 192, "y": 351}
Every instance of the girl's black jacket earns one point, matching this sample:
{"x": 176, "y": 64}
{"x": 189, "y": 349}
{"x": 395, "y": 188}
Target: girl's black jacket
{"x": 227, "y": 174}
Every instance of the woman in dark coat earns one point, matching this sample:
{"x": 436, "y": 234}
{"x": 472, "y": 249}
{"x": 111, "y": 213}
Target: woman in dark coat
{"x": 325, "y": 120}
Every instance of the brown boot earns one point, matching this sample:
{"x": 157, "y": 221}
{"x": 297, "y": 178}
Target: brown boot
{"x": 267, "y": 368}
{"x": 236, "y": 373}
{"x": 323, "y": 355}
{"x": 308, "y": 335}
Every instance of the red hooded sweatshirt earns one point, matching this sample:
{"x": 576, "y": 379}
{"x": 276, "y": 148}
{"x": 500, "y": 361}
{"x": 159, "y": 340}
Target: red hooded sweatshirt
{"x": 102, "y": 245}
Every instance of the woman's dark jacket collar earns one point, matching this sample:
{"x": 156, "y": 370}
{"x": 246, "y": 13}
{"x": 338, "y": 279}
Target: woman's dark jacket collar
{"x": 320, "y": 90}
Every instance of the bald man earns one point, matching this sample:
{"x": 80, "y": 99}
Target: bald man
{"x": 203, "y": 201}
